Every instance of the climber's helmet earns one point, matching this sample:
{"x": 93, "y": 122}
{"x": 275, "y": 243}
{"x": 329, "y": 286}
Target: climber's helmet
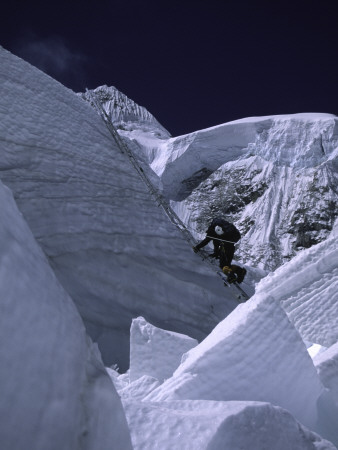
{"x": 218, "y": 230}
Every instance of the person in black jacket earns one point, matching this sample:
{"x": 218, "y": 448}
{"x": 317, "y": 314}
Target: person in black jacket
{"x": 223, "y": 235}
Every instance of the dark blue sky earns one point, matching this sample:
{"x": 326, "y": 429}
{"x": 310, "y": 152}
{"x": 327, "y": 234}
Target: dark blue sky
{"x": 193, "y": 64}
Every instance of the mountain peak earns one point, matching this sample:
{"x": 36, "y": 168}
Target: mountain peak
{"x": 125, "y": 113}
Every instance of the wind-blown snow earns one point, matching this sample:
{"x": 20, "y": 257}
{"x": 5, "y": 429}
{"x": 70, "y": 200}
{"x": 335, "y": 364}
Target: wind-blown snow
{"x": 55, "y": 392}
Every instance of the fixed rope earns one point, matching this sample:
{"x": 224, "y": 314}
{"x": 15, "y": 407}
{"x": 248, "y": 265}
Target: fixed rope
{"x": 126, "y": 150}
{"x": 173, "y": 217}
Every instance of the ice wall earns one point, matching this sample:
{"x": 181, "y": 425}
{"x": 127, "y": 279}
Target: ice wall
{"x": 55, "y": 392}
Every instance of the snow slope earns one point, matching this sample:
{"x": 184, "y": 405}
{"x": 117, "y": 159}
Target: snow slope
{"x": 103, "y": 233}
{"x": 55, "y": 392}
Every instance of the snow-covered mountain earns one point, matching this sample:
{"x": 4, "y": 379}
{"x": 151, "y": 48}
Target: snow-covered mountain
{"x": 276, "y": 177}
{"x": 86, "y": 248}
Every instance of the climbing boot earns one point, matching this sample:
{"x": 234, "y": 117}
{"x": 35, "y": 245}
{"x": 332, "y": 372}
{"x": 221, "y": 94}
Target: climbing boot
{"x": 227, "y": 270}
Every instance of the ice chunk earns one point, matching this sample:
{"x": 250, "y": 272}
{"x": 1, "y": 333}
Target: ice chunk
{"x": 156, "y": 352}
{"x": 235, "y": 362}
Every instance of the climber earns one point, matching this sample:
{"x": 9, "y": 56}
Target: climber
{"x": 224, "y": 235}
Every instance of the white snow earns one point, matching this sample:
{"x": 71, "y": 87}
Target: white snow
{"x": 155, "y": 352}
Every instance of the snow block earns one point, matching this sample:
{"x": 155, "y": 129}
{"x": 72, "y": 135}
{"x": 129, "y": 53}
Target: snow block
{"x": 235, "y": 362}
{"x": 156, "y": 352}
{"x": 55, "y": 393}
{"x": 201, "y": 425}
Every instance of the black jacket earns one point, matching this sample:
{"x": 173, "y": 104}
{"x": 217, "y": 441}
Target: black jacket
{"x": 230, "y": 234}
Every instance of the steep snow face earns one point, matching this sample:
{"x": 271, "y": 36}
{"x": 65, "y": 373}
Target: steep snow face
{"x": 112, "y": 248}
{"x": 125, "y": 113}
{"x": 55, "y": 392}
{"x": 276, "y": 177}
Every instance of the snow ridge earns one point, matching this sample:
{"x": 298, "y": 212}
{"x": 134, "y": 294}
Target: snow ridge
{"x": 124, "y": 113}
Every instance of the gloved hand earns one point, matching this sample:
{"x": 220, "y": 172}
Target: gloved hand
{"x": 196, "y": 249}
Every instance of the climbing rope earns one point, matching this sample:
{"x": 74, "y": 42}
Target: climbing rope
{"x": 125, "y": 149}
{"x": 173, "y": 217}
